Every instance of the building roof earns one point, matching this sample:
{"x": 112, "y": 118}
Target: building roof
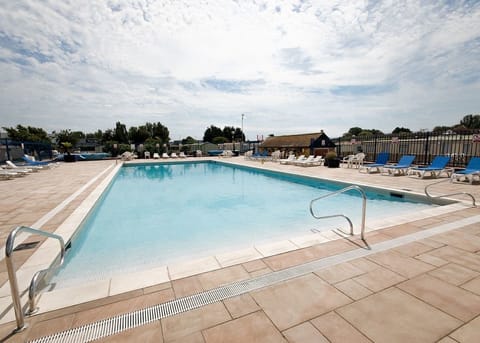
{"x": 305, "y": 140}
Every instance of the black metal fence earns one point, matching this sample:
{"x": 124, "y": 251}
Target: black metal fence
{"x": 14, "y": 150}
{"x": 424, "y": 145}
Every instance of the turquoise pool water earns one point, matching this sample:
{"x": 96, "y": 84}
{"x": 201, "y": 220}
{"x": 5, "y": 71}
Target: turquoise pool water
{"x": 157, "y": 214}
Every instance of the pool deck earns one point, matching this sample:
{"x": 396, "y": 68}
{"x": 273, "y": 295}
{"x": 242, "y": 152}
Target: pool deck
{"x": 427, "y": 290}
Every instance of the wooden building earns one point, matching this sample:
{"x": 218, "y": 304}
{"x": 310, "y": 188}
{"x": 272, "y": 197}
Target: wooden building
{"x": 307, "y": 144}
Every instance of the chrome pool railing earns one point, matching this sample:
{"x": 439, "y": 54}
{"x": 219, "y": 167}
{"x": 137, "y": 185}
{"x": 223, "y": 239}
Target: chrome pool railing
{"x": 364, "y": 207}
{"x": 12, "y": 276}
{"x": 432, "y": 198}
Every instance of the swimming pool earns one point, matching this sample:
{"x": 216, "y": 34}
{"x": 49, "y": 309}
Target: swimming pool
{"x": 157, "y": 214}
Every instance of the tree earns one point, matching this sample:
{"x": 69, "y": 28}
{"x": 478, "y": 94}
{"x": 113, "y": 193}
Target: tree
{"x": 120, "y": 133}
{"x": 67, "y": 136}
{"x": 471, "y": 121}
{"x": 220, "y": 140}
{"x": 439, "y": 129}
{"x": 211, "y": 133}
{"x": 189, "y": 140}
{"x": 27, "y": 134}
{"x": 401, "y": 130}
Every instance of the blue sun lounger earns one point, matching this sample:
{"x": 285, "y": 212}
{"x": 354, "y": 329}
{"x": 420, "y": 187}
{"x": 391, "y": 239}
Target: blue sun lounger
{"x": 400, "y": 168}
{"x": 435, "y": 168}
{"x": 471, "y": 171}
{"x": 381, "y": 160}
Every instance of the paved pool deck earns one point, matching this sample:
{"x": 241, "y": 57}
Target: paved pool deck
{"x": 427, "y": 290}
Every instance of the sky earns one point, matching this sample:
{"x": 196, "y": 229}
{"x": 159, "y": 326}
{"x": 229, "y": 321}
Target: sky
{"x": 288, "y": 66}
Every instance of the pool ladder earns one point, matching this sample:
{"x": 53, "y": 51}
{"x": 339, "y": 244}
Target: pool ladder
{"x": 432, "y": 198}
{"x": 346, "y": 189}
{"x": 12, "y": 276}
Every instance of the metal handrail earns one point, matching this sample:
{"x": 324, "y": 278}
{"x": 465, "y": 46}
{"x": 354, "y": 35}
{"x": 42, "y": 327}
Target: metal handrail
{"x": 364, "y": 207}
{"x": 12, "y": 276}
{"x": 446, "y": 195}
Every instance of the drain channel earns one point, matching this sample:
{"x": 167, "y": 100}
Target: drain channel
{"x": 117, "y": 324}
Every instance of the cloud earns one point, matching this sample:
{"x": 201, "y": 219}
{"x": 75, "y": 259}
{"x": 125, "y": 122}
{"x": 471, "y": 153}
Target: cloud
{"x": 291, "y": 66}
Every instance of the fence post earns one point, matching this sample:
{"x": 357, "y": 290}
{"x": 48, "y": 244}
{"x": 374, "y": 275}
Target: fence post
{"x": 426, "y": 161}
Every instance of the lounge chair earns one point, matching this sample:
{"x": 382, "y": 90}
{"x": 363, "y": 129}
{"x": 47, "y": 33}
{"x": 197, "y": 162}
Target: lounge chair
{"x": 316, "y": 161}
{"x": 164, "y": 155}
{"x": 298, "y": 159}
{"x": 290, "y": 158}
{"x": 173, "y": 155}
{"x": 471, "y": 171}
{"x": 6, "y": 174}
{"x": 437, "y": 167}
{"x": 381, "y": 160}
{"x": 19, "y": 169}
{"x": 304, "y": 161}
{"x": 146, "y": 154}
{"x": 182, "y": 155}
{"x": 400, "y": 168}
{"x": 354, "y": 160}
{"x": 38, "y": 164}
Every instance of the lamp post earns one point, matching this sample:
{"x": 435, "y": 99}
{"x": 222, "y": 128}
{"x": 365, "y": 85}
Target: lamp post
{"x": 233, "y": 143}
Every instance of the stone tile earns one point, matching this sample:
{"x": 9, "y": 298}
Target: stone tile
{"x": 431, "y": 243}
{"x": 196, "y": 337}
{"x": 458, "y": 256}
{"x": 353, "y": 289}
{"x": 395, "y": 316}
{"x": 184, "y": 269}
{"x": 400, "y": 264}
{"x": 130, "y": 281}
{"x": 469, "y": 333}
{"x": 333, "y": 248}
{"x": 459, "y": 239}
{"x": 222, "y": 276}
{"x": 150, "y": 333}
{"x": 254, "y": 265}
{"x": 154, "y": 299}
{"x": 49, "y": 327}
{"x": 260, "y": 272}
{"x": 447, "y": 339}
{"x": 339, "y": 272}
{"x": 252, "y": 328}
{"x": 379, "y": 279}
{"x": 401, "y": 230}
{"x": 454, "y": 274}
{"x": 364, "y": 264}
{"x": 337, "y": 329}
{"x": 103, "y": 312}
{"x": 187, "y": 286}
{"x": 430, "y": 259}
{"x": 450, "y": 299}
{"x": 473, "y": 285}
{"x": 241, "y": 305}
{"x": 274, "y": 248}
{"x": 292, "y": 302}
{"x": 290, "y": 259}
{"x": 413, "y": 249}
{"x": 304, "y": 333}
{"x": 186, "y": 323}
{"x": 238, "y": 256}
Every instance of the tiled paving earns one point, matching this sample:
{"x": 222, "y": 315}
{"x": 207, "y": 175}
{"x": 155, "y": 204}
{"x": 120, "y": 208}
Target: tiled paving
{"x": 424, "y": 291}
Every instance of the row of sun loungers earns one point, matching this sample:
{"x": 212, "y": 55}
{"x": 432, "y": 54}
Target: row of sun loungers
{"x": 437, "y": 167}
{"x": 11, "y": 170}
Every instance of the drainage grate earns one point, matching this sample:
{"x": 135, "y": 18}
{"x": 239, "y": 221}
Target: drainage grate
{"x": 117, "y": 324}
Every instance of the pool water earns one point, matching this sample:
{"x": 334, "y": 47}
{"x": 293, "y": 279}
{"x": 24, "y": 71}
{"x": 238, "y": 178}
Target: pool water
{"x": 157, "y": 214}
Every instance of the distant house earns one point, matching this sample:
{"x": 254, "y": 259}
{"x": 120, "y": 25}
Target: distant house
{"x": 308, "y": 143}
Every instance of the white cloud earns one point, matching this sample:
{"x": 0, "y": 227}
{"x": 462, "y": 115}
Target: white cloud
{"x": 292, "y": 66}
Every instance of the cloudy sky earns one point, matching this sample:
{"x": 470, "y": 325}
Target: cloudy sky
{"x": 289, "y": 66}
